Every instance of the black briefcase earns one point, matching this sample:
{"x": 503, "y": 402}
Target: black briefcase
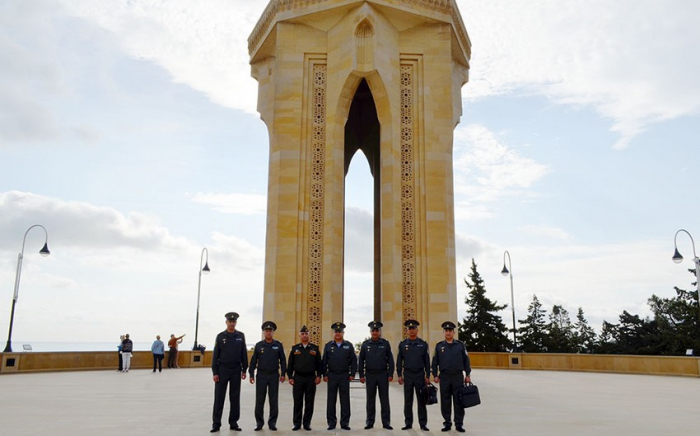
{"x": 429, "y": 392}
{"x": 469, "y": 395}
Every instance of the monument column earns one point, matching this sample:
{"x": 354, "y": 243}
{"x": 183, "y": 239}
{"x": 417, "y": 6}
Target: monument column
{"x": 310, "y": 57}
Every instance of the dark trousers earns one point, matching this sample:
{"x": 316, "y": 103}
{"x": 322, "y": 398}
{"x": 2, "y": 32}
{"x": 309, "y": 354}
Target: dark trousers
{"x": 378, "y": 382}
{"x": 172, "y": 358}
{"x": 412, "y": 382}
{"x": 304, "y": 392}
{"x": 264, "y": 384}
{"x": 338, "y": 384}
{"x": 449, "y": 384}
{"x": 227, "y": 376}
{"x": 121, "y": 362}
{"x": 158, "y": 358}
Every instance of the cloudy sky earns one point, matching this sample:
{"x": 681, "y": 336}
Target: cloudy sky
{"x": 128, "y": 129}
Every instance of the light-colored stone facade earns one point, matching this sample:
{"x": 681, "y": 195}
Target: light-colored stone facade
{"x": 309, "y": 57}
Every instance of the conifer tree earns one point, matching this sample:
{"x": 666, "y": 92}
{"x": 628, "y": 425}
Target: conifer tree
{"x": 561, "y": 334}
{"x": 533, "y": 332}
{"x": 584, "y": 335}
{"x": 482, "y": 329}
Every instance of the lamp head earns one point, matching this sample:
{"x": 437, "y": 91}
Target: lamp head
{"x": 677, "y": 258}
{"x": 206, "y": 269}
{"x": 505, "y": 271}
{"x": 45, "y": 251}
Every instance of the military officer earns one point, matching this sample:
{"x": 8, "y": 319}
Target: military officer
{"x": 413, "y": 370}
{"x": 304, "y": 371}
{"x": 229, "y": 364}
{"x": 376, "y": 365}
{"x": 450, "y": 364}
{"x": 271, "y": 364}
{"x": 339, "y": 366}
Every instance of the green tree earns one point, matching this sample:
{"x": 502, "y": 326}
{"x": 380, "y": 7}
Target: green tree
{"x": 561, "y": 333}
{"x": 607, "y": 341}
{"x": 482, "y": 329}
{"x": 533, "y": 330}
{"x": 636, "y": 335}
{"x": 584, "y": 335}
{"x": 677, "y": 321}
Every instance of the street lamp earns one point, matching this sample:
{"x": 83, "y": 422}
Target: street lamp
{"x": 44, "y": 252}
{"x": 507, "y": 272}
{"x": 204, "y": 270}
{"x": 677, "y": 258}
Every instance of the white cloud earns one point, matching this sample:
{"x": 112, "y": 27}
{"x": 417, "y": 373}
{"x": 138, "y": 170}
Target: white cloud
{"x": 201, "y": 44}
{"x": 486, "y": 170}
{"x": 120, "y": 272}
{"x": 235, "y": 203}
{"x": 603, "y": 279}
{"x": 78, "y": 224}
{"x": 547, "y": 232}
{"x": 632, "y": 61}
{"x": 28, "y": 46}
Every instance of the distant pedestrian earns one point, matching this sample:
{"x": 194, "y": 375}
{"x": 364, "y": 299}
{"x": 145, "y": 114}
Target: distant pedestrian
{"x": 304, "y": 371}
{"x": 172, "y": 344}
{"x": 158, "y": 350}
{"x": 229, "y": 364}
{"x": 119, "y": 353}
{"x": 450, "y": 364}
{"x": 376, "y": 365}
{"x": 127, "y": 348}
{"x": 271, "y": 365}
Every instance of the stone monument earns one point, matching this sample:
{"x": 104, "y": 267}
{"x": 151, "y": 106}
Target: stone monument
{"x": 384, "y": 77}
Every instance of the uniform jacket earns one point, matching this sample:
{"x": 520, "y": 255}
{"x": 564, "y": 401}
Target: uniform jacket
{"x": 304, "y": 361}
{"x": 413, "y": 356}
{"x": 376, "y": 356}
{"x": 229, "y": 352}
{"x": 268, "y": 357}
{"x": 339, "y": 359}
{"x": 451, "y": 358}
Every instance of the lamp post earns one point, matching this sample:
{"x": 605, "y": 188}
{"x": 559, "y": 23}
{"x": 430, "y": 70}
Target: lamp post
{"x": 44, "y": 252}
{"x": 508, "y": 272}
{"x": 677, "y": 258}
{"x": 204, "y": 270}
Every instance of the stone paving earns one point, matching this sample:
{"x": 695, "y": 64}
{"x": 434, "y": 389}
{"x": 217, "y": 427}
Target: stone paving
{"x": 179, "y": 402}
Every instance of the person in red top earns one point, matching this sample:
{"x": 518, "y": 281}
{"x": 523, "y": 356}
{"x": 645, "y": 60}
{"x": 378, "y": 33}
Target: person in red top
{"x": 172, "y": 357}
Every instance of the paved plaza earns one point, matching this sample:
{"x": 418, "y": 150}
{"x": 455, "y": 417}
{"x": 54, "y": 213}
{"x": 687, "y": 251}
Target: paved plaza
{"x": 179, "y": 402}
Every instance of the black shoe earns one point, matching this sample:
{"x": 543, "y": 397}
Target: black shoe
{"x": 307, "y": 427}
{"x": 424, "y": 428}
{"x": 368, "y": 426}
{"x": 460, "y": 429}
{"x": 272, "y": 427}
{"x": 214, "y": 429}
{"x": 446, "y": 428}
{"x": 331, "y": 427}
{"x": 388, "y": 427}
{"x": 406, "y": 427}
{"x": 258, "y": 428}
{"x": 235, "y": 427}
{"x": 296, "y": 428}
{"x": 345, "y": 427}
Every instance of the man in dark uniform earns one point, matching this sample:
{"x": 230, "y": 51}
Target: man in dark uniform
{"x": 376, "y": 366}
{"x": 413, "y": 369}
{"x": 229, "y": 363}
{"x": 269, "y": 359}
{"x": 339, "y": 366}
{"x": 450, "y": 364}
{"x": 304, "y": 371}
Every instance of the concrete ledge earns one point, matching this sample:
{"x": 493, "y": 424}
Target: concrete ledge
{"x": 622, "y": 364}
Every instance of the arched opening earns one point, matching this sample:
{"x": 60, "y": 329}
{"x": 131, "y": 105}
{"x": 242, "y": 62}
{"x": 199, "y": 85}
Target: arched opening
{"x": 362, "y": 211}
